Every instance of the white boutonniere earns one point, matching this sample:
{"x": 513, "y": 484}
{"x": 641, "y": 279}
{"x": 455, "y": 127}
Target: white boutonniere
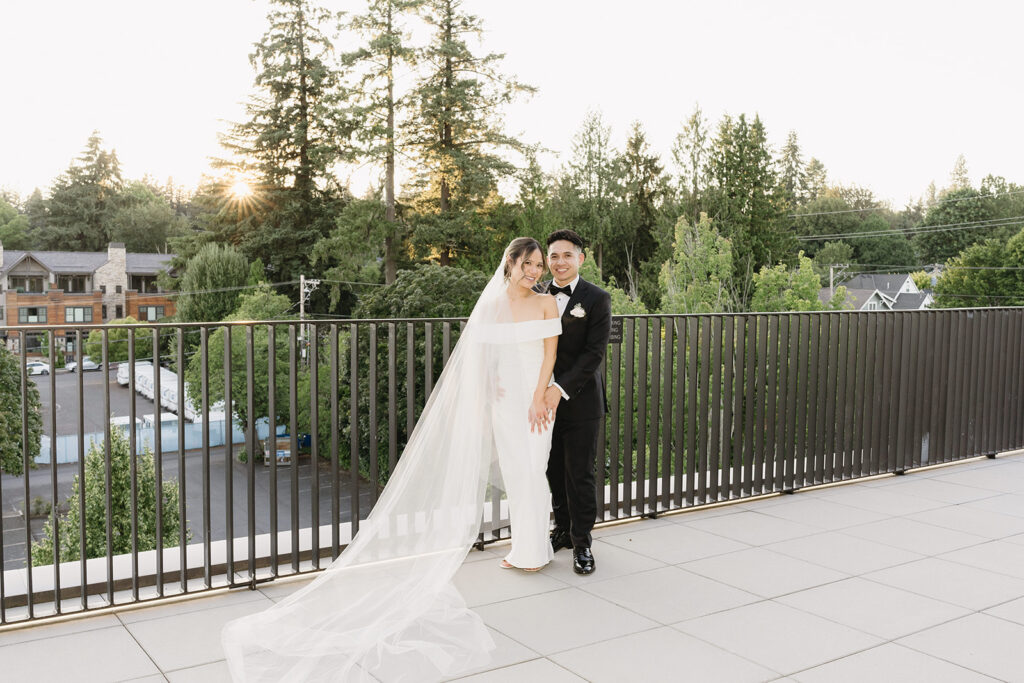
{"x": 578, "y": 312}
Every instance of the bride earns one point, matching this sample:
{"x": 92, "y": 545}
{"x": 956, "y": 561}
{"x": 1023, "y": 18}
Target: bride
{"x": 386, "y": 609}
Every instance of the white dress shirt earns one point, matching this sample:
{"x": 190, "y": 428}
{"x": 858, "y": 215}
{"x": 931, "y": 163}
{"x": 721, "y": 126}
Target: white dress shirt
{"x": 563, "y": 300}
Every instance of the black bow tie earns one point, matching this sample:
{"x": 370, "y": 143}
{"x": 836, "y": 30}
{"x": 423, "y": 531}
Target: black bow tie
{"x": 555, "y": 289}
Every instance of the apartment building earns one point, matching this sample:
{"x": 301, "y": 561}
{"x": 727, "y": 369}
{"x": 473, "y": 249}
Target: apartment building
{"x": 76, "y": 287}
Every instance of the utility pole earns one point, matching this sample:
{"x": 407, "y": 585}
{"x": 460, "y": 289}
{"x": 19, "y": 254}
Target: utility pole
{"x": 306, "y": 288}
{"x": 832, "y": 276}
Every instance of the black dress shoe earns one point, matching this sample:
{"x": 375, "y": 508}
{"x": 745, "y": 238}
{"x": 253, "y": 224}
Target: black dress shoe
{"x": 582, "y": 561}
{"x": 560, "y": 539}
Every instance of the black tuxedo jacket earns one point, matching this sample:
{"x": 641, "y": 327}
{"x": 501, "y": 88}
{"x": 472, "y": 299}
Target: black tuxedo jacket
{"x": 581, "y": 348}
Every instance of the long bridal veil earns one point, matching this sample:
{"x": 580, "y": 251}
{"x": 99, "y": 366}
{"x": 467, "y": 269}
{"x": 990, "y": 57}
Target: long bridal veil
{"x": 386, "y": 609}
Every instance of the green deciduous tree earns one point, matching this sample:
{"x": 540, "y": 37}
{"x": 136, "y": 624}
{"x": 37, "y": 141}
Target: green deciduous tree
{"x": 954, "y": 214}
{"x": 117, "y": 342}
{"x": 94, "y": 488}
{"x": 698, "y": 277}
{"x": 779, "y": 288}
{"x": 262, "y": 304}
{"x": 14, "y": 227}
{"x": 212, "y": 284}
{"x": 11, "y": 424}
{"x": 987, "y": 273}
{"x": 144, "y": 221}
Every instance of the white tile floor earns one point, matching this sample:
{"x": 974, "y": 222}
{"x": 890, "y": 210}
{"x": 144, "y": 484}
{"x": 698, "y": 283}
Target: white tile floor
{"x": 919, "y": 577}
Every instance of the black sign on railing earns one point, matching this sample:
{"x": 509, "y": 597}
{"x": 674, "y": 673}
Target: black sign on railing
{"x": 616, "y": 335}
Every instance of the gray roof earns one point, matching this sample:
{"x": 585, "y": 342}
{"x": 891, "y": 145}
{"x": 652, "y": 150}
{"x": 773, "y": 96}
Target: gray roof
{"x": 855, "y": 298}
{"x": 148, "y": 264}
{"x": 84, "y": 262}
{"x": 910, "y": 301}
{"x": 883, "y": 282}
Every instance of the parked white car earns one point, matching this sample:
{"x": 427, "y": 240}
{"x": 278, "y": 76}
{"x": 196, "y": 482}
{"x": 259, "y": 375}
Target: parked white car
{"x": 38, "y": 367}
{"x": 87, "y": 365}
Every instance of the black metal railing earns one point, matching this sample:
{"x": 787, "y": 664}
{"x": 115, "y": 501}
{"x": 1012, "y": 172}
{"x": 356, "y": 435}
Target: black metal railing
{"x": 703, "y": 409}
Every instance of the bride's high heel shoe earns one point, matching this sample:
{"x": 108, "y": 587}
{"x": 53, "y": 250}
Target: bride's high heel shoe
{"x": 505, "y": 565}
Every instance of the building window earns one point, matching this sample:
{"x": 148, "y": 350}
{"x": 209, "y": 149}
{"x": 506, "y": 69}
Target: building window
{"x": 32, "y": 314}
{"x": 78, "y": 314}
{"x": 104, "y": 312}
{"x": 27, "y": 285}
{"x": 118, "y": 312}
{"x": 151, "y": 313}
{"x": 103, "y": 289}
{"x": 117, "y": 289}
{"x": 72, "y": 284}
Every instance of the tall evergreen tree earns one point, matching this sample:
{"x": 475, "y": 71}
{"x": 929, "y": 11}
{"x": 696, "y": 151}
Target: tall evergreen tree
{"x": 295, "y": 133}
{"x": 744, "y": 201}
{"x": 82, "y": 201}
{"x": 792, "y": 171}
{"x": 456, "y": 129}
{"x": 589, "y": 188}
{"x": 384, "y": 52}
{"x": 817, "y": 178}
{"x": 690, "y": 153}
{"x": 642, "y": 192}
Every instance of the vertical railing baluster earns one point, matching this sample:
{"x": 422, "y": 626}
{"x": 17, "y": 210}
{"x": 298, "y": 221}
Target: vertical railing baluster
{"x": 792, "y": 392}
{"x": 410, "y": 380}
{"x": 132, "y": 467}
{"x": 158, "y": 468}
{"x": 781, "y": 452}
{"x": 641, "y": 420}
{"x": 704, "y": 408}
{"x": 848, "y": 391}
{"x": 760, "y": 420}
{"x": 766, "y": 468}
{"x": 692, "y": 328}
{"x": 250, "y": 450}
{"x": 314, "y": 445}
{"x": 335, "y": 426}
{"x": 679, "y": 452}
{"x": 736, "y": 466}
{"x": 108, "y": 466}
{"x": 353, "y": 427}
{"x": 55, "y": 503}
{"x": 272, "y": 441}
{"x": 81, "y": 471}
{"x": 393, "y": 395}
{"x": 613, "y": 456}
{"x": 229, "y": 462}
{"x": 651, "y": 454}
{"x": 182, "y": 523}
{"x": 428, "y": 360}
{"x": 372, "y": 436}
{"x": 293, "y": 432}
{"x": 26, "y": 481}
{"x": 204, "y": 391}
{"x": 715, "y": 441}
{"x": 666, "y": 414}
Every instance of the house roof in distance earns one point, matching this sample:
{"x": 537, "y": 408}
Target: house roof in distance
{"x": 910, "y": 301}
{"x": 85, "y": 262}
{"x": 885, "y": 283}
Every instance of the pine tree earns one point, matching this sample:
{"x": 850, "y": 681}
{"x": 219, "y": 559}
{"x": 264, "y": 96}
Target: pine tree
{"x": 744, "y": 202}
{"x": 83, "y": 199}
{"x": 456, "y": 128}
{"x": 792, "y": 172}
{"x": 817, "y": 179}
{"x": 379, "y": 107}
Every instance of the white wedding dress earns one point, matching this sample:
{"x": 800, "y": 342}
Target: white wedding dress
{"x": 387, "y": 609}
{"x": 522, "y": 453}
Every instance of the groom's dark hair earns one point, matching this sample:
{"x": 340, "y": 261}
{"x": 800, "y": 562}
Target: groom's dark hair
{"x": 567, "y": 235}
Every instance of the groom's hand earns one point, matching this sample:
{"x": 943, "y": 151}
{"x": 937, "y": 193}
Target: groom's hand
{"x": 552, "y": 396}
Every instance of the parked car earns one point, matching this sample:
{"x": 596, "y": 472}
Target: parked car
{"x": 38, "y": 367}
{"x": 87, "y": 365}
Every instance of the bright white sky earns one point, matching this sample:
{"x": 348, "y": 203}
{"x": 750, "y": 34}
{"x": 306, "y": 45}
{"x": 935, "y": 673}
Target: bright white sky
{"x": 885, "y": 93}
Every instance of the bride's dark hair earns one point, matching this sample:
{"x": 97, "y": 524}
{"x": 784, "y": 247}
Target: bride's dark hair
{"x": 517, "y": 249}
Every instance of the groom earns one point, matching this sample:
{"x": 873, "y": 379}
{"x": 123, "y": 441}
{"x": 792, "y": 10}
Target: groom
{"x": 577, "y": 396}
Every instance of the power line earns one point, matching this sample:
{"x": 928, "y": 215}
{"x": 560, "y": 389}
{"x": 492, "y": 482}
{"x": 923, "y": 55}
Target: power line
{"x": 1011, "y": 221}
{"x": 879, "y": 208}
